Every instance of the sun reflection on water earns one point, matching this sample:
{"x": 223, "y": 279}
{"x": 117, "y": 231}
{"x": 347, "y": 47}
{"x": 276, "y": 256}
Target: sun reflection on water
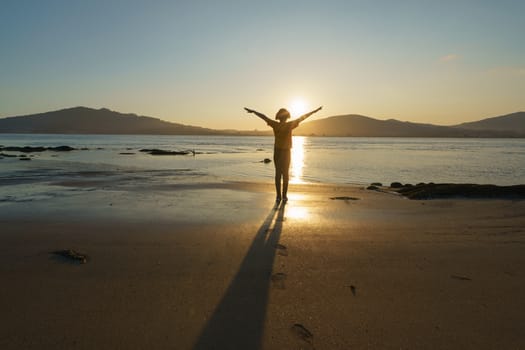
{"x": 297, "y": 164}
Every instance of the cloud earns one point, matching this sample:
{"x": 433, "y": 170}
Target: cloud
{"x": 449, "y": 58}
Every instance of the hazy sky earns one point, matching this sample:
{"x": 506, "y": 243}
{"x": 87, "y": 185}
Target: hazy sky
{"x": 199, "y": 62}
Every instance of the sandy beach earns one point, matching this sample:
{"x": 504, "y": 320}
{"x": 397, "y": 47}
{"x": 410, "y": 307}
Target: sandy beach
{"x": 145, "y": 147}
{"x": 219, "y": 266}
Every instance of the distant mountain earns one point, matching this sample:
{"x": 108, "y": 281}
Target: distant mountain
{"x": 514, "y": 122}
{"x": 83, "y": 120}
{"x": 358, "y": 125}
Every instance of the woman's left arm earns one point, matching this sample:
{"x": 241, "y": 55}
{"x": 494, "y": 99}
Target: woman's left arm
{"x": 304, "y": 116}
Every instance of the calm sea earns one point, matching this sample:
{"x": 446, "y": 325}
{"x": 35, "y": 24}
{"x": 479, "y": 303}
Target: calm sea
{"x": 315, "y": 159}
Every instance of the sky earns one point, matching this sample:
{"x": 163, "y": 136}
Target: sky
{"x": 200, "y": 62}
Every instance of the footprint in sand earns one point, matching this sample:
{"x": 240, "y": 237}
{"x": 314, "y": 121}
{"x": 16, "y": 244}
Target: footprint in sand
{"x": 461, "y": 278}
{"x": 303, "y": 333}
{"x": 278, "y": 280}
{"x": 354, "y": 290}
{"x": 281, "y": 249}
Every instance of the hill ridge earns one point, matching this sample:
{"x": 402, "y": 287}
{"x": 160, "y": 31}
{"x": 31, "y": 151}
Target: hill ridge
{"x": 86, "y": 120}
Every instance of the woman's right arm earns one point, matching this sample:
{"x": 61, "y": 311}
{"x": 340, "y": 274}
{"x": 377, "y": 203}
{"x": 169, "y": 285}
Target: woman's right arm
{"x": 260, "y": 115}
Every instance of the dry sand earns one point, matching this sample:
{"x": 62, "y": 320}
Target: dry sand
{"x": 219, "y": 267}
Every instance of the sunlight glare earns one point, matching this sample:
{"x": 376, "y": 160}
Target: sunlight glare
{"x": 299, "y": 213}
{"x": 298, "y": 107}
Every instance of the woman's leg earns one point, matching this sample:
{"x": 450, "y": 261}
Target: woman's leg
{"x": 278, "y": 184}
{"x": 285, "y": 184}
{"x": 278, "y": 173}
{"x": 286, "y": 173}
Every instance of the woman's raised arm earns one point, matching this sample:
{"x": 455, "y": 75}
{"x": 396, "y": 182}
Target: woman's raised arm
{"x": 260, "y": 115}
{"x": 304, "y": 116}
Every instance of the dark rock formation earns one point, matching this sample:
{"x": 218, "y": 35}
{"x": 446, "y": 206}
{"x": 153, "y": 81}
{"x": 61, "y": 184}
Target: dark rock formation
{"x": 61, "y": 149}
{"x": 30, "y": 149}
{"x": 436, "y": 191}
{"x": 161, "y": 152}
{"x": 25, "y": 149}
{"x": 344, "y": 198}
{"x": 7, "y": 155}
{"x": 72, "y": 255}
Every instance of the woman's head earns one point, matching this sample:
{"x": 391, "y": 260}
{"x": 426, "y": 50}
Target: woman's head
{"x": 282, "y": 114}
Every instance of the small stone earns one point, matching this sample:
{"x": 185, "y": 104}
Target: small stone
{"x": 72, "y": 255}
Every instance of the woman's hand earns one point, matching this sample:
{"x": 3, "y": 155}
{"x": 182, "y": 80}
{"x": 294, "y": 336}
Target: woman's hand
{"x": 260, "y": 115}
{"x": 303, "y": 117}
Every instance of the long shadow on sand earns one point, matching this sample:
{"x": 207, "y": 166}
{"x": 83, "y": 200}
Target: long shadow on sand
{"x": 238, "y": 320}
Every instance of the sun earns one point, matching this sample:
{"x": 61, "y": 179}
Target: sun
{"x": 297, "y": 107}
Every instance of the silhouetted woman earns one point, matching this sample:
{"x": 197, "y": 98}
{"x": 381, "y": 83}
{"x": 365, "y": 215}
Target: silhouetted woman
{"x": 282, "y": 131}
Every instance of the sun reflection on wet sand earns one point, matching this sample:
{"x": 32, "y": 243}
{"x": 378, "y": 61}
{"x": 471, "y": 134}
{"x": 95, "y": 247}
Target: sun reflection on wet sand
{"x": 297, "y": 164}
{"x": 297, "y": 207}
{"x": 300, "y": 213}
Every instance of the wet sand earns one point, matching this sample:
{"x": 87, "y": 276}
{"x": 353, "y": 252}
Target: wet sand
{"x": 218, "y": 266}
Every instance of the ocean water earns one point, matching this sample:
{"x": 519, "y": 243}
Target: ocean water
{"x": 238, "y": 158}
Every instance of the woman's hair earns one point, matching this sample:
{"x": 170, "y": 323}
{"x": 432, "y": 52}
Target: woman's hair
{"x": 282, "y": 114}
